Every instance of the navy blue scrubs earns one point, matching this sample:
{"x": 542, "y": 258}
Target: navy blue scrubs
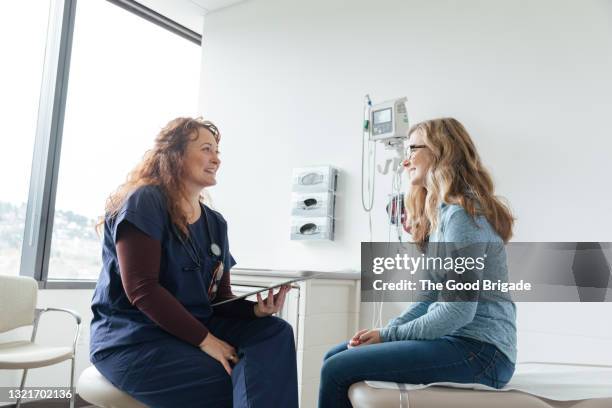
{"x": 161, "y": 370}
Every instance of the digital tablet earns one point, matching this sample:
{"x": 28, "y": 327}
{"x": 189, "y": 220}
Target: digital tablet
{"x": 276, "y": 285}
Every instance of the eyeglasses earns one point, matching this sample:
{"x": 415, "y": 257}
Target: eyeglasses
{"x": 412, "y": 149}
{"x": 215, "y": 281}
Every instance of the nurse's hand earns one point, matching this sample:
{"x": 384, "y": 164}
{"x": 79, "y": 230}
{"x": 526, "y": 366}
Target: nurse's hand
{"x": 220, "y": 351}
{"x": 272, "y": 304}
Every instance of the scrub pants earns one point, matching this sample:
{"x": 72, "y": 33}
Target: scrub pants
{"x": 449, "y": 358}
{"x": 171, "y": 373}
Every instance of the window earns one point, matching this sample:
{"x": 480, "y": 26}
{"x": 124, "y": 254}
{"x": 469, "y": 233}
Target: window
{"x": 23, "y": 29}
{"x": 68, "y": 144}
{"x": 128, "y": 78}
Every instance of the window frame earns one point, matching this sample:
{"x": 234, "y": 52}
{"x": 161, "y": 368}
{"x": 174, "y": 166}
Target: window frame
{"x": 40, "y": 210}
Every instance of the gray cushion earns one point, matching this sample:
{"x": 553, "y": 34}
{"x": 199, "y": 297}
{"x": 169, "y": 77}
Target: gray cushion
{"x": 364, "y": 396}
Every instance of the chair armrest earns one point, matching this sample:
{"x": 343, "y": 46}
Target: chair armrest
{"x": 74, "y": 314}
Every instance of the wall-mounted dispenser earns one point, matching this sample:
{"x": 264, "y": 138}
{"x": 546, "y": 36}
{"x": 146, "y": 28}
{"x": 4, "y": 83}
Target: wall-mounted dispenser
{"x": 314, "y": 179}
{"x": 313, "y": 202}
{"x": 318, "y": 228}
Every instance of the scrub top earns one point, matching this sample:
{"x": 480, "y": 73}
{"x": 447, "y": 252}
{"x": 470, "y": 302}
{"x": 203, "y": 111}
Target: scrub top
{"x": 116, "y": 323}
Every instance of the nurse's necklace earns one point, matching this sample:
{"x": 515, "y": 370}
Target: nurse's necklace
{"x": 190, "y": 247}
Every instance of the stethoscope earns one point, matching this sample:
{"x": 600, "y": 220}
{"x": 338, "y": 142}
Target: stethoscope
{"x": 192, "y": 251}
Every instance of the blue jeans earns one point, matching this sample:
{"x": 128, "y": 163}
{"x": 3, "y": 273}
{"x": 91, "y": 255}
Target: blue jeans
{"x": 449, "y": 358}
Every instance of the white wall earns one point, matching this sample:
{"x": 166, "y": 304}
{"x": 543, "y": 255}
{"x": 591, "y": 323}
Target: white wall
{"x": 532, "y": 81}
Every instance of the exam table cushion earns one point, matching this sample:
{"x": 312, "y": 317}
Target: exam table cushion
{"x": 533, "y": 385}
{"x": 364, "y": 396}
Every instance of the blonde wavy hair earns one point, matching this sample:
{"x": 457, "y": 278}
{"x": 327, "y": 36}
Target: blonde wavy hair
{"x": 162, "y": 166}
{"x": 456, "y": 176}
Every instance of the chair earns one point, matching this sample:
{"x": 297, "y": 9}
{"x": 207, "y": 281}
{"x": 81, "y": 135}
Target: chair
{"x": 18, "y": 296}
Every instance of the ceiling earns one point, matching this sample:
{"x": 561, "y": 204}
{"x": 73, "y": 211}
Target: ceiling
{"x": 212, "y": 5}
{"x": 189, "y": 13}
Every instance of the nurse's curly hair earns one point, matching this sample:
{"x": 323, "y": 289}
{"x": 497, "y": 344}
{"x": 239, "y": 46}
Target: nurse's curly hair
{"x": 162, "y": 166}
{"x": 456, "y": 176}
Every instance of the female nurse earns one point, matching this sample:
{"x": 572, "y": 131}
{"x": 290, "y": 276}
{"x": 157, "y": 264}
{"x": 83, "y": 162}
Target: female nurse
{"x": 451, "y": 201}
{"x": 155, "y": 332}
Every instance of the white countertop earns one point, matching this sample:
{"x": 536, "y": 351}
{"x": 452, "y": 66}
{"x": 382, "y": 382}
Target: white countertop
{"x": 288, "y": 274}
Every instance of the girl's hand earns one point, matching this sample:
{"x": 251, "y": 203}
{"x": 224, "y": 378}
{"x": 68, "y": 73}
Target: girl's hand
{"x": 370, "y": 337}
{"x": 354, "y": 341}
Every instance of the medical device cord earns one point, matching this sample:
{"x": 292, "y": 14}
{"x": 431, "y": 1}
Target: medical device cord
{"x": 395, "y": 222}
{"x": 367, "y": 202}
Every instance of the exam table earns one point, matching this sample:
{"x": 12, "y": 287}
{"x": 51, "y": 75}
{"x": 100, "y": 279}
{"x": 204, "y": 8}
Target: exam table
{"x": 534, "y": 385}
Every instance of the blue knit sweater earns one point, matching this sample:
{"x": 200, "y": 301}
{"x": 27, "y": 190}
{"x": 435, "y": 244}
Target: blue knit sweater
{"x": 489, "y": 321}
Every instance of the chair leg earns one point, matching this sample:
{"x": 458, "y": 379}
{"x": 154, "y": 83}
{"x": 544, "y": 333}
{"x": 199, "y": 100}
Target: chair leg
{"x": 23, "y": 380}
{"x": 72, "y": 389}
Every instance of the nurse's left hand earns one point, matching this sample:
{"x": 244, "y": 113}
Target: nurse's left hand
{"x": 370, "y": 337}
{"x": 272, "y": 304}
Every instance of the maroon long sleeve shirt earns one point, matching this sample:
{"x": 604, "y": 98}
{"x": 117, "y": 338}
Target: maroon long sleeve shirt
{"x": 139, "y": 258}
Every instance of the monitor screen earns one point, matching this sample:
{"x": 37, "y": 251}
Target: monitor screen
{"x": 382, "y": 116}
